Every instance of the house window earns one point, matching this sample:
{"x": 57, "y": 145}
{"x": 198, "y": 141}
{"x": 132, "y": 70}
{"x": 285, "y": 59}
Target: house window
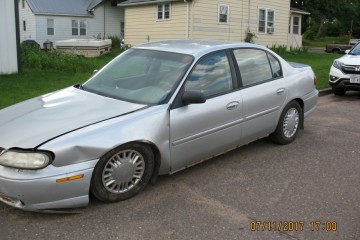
{"x": 82, "y": 28}
{"x": 23, "y": 3}
{"x": 163, "y": 11}
{"x": 78, "y": 28}
{"x": 50, "y": 27}
{"x": 296, "y": 25}
{"x": 24, "y": 25}
{"x": 223, "y": 13}
{"x": 266, "y": 20}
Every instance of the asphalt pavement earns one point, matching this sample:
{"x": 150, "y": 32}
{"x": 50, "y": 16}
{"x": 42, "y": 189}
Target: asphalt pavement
{"x": 306, "y": 190}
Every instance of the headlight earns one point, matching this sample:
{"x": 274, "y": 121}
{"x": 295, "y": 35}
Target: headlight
{"x": 24, "y": 159}
{"x": 338, "y": 64}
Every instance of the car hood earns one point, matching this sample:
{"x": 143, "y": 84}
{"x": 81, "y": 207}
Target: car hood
{"x": 350, "y": 59}
{"x": 30, "y": 123}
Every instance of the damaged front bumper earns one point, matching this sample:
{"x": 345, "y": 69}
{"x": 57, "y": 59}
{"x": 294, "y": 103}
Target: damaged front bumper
{"x": 50, "y": 188}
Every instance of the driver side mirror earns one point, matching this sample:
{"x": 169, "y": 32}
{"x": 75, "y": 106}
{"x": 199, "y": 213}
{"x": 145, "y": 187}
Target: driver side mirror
{"x": 347, "y": 51}
{"x": 193, "y": 97}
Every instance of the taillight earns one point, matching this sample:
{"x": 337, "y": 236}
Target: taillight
{"x": 315, "y": 78}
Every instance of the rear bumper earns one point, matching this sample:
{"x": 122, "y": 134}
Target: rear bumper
{"x": 37, "y": 190}
{"x": 310, "y": 101}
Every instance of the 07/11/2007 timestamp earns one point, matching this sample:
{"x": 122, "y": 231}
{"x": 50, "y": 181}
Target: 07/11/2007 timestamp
{"x": 288, "y": 226}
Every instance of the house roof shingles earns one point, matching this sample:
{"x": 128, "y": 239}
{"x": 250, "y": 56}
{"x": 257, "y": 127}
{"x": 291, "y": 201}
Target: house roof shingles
{"x": 63, "y": 7}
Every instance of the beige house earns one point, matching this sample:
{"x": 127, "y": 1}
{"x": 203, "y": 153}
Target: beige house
{"x": 154, "y": 20}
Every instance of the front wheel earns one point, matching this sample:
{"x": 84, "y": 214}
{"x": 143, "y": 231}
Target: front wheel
{"x": 122, "y": 172}
{"x": 289, "y": 124}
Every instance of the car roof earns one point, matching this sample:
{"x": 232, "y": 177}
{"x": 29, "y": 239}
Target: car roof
{"x": 194, "y": 47}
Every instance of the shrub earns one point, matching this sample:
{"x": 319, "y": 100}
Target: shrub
{"x": 55, "y": 60}
{"x": 282, "y": 49}
{"x": 250, "y": 36}
{"x": 310, "y": 32}
{"x": 115, "y": 41}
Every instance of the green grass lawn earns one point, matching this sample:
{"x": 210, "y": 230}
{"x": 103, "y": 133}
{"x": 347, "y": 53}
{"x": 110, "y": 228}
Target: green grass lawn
{"x": 35, "y": 82}
{"x": 326, "y": 40}
{"x": 320, "y": 62}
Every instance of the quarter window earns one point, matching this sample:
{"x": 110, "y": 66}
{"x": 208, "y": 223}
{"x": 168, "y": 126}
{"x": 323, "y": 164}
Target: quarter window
{"x": 266, "y": 20}
{"x": 253, "y": 65}
{"x": 223, "y": 13}
{"x": 211, "y": 75}
{"x": 50, "y": 27}
{"x": 163, "y": 12}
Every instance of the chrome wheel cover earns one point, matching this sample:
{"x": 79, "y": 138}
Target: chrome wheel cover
{"x": 123, "y": 171}
{"x": 291, "y": 122}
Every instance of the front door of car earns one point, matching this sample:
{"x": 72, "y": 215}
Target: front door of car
{"x": 200, "y": 131}
{"x": 264, "y": 92}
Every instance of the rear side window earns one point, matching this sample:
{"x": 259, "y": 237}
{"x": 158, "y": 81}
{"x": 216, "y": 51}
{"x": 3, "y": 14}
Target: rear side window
{"x": 275, "y": 66}
{"x": 256, "y": 66}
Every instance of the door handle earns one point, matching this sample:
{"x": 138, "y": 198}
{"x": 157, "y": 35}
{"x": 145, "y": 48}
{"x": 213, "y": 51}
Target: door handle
{"x": 280, "y": 90}
{"x": 232, "y": 105}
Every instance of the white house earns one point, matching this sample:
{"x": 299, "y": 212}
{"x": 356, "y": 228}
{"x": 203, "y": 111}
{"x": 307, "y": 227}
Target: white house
{"x": 154, "y": 20}
{"x": 8, "y": 40}
{"x": 54, "y": 20}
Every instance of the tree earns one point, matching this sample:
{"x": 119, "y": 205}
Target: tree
{"x": 346, "y": 11}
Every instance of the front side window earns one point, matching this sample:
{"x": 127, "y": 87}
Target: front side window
{"x": 163, "y": 11}
{"x": 50, "y": 27}
{"x": 266, "y": 21}
{"x": 254, "y": 66}
{"x": 223, "y": 14}
{"x": 211, "y": 75}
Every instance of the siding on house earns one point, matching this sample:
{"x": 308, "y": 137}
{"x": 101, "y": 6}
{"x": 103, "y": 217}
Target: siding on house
{"x": 113, "y": 17}
{"x": 281, "y": 25}
{"x": 25, "y": 14}
{"x": 204, "y": 20}
{"x": 141, "y": 24}
{"x": 140, "y": 21}
{"x": 8, "y": 43}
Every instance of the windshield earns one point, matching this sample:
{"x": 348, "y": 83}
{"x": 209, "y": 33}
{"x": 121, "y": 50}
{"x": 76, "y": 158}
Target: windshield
{"x": 355, "y": 50}
{"x": 140, "y": 76}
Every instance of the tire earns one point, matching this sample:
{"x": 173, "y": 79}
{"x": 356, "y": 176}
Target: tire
{"x": 337, "y": 51}
{"x": 122, "y": 172}
{"x": 289, "y": 124}
{"x": 339, "y": 92}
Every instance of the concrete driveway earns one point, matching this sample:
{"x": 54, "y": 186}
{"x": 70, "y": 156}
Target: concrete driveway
{"x": 315, "y": 179}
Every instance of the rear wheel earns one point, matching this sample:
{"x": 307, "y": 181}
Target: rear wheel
{"x": 289, "y": 124}
{"x": 123, "y": 172}
{"x": 337, "y": 51}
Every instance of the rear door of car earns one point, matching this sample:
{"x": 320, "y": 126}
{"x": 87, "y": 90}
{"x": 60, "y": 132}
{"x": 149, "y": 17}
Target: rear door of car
{"x": 199, "y": 131}
{"x": 263, "y": 91}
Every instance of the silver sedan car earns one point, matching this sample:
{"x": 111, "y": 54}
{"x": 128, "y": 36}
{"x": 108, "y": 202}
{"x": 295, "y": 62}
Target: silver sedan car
{"x": 155, "y": 109}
